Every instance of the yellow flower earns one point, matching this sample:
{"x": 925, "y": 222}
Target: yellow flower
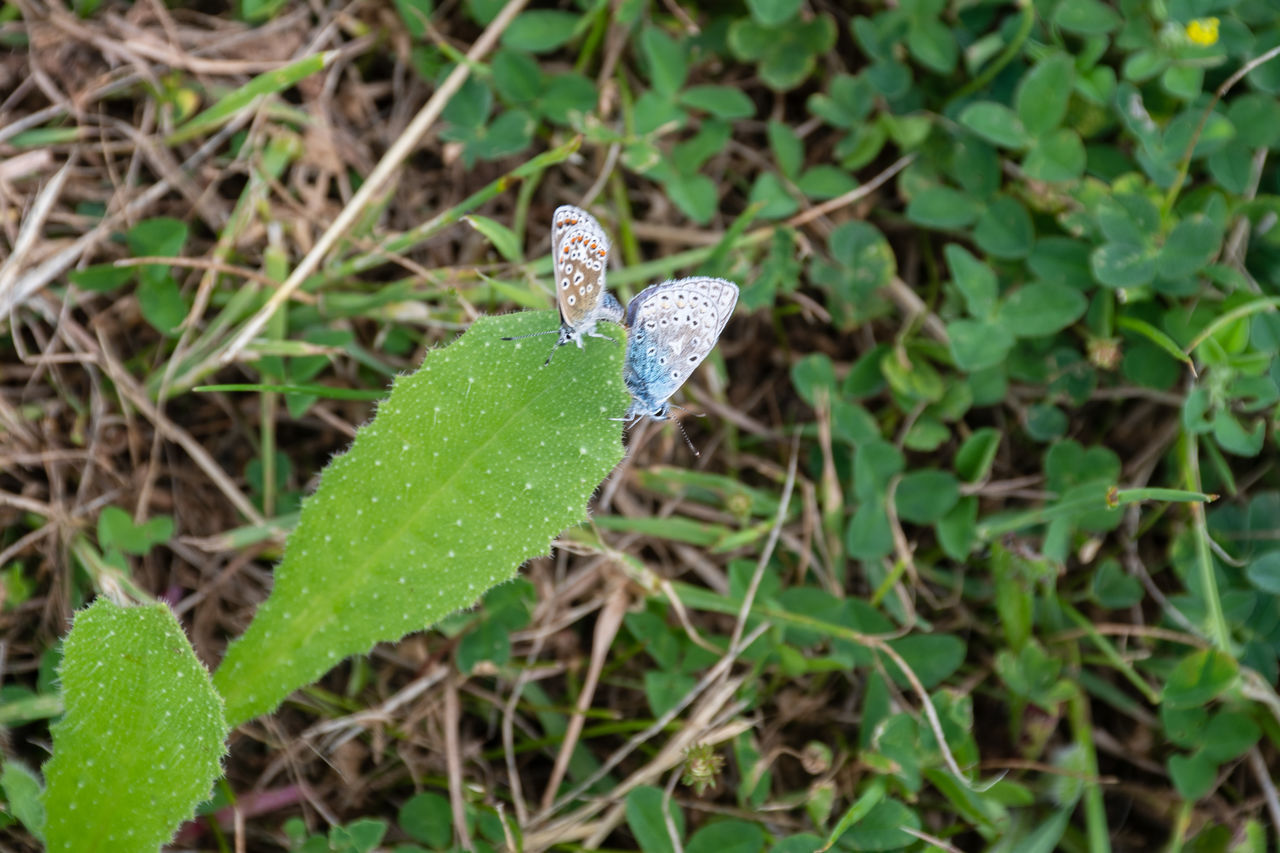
{"x": 1203, "y": 31}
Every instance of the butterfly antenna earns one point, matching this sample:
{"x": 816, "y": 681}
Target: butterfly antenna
{"x": 534, "y": 335}
{"x": 688, "y": 412}
{"x": 680, "y": 427}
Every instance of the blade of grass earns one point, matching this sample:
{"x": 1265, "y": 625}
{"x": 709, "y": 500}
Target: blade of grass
{"x": 232, "y": 103}
{"x": 310, "y": 390}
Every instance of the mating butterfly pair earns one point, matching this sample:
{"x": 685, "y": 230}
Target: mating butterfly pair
{"x": 671, "y": 326}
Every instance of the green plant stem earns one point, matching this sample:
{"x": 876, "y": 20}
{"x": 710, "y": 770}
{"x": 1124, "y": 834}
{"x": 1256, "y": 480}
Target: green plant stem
{"x": 1219, "y": 635}
{"x": 1111, "y": 654}
{"x": 1095, "y": 814}
{"x": 1006, "y": 56}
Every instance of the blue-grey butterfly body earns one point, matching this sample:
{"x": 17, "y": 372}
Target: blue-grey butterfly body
{"x": 671, "y": 328}
{"x": 580, "y": 257}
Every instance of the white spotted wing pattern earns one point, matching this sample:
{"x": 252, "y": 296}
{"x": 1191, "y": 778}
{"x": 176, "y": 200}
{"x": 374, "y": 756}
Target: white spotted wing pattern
{"x": 671, "y": 328}
{"x": 580, "y": 256}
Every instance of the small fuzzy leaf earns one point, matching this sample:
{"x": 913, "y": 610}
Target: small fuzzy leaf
{"x": 143, "y": 734}
{"x": 472, "y": 465}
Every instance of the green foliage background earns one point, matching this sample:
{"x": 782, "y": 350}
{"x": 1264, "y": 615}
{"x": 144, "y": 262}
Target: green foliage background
{"x": 1010, "y": 278}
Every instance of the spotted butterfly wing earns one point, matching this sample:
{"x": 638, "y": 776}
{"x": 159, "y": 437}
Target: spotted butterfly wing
{"x": 580, "y": 250}
{"x": 671, "y": 328}
{"x": 580, "y": 256}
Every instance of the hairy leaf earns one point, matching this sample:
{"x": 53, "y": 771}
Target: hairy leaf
{"x": 472, "y": 465}
{"x": 143, "y": 734}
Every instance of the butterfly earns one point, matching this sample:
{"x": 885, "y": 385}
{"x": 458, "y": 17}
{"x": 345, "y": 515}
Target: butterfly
{"x": 580, "y": 256}
{"x": 671, "y": 328}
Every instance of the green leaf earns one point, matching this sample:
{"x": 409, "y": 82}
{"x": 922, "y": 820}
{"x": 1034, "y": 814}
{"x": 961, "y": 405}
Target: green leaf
{"x": 720, "y": 101}
{"x": 1041, "y": 309}
{"x": 1229, "y": 735}
{"x": 567, "y": 98}
{"x": 1004, "y": 230}
{"x": 882, "y": 828}
{"x": 664, "y": 689}
{"x": 976, "y": 455}
{"x": 503, "y": 238}
{"x": 427, "y": 817}
{"x": 851, "y": 97}
{"x": 415, "y": 14}
{"x": 1086, "y": 17}
{"x": 695, "y": 195}
{"x": 727, "y": 836}
{"x": 509, "y": 133}
{"x": 1123, "y": 264}
{"x": 1199, "y": 678}
{"x": 942, "y": 207}
{"x": 866, "y": 260}
{"x": 1193, "y": 775}
{"x": 1113, "y": 588}
{"x": 516, "y": 77}
{"x": 540, "y": 30}
{"x": 1191, "y": 245}
{"x": 770, "y": 13}
{"x": 1045, "y": 837}
{"x": 1058, "y": 156}
{"x": 1234, "y": 438}
{"x": 1264, "y": 572}
{"x": 974, "y": 279}
{"x": 161, "y": 237}
{"x": 813, "y": 375}
{"x": 932, "y": 657}
{"x": 1183, "y": 81}
{"x": 925, "y": 495}
{"x": 117, "y": 530}
{"x": 667, "y": 66}
{"x": 143, "y": 735}
{"x": 824, "y": 181}
{"x": 786, "y": 53}
{"x": 101, "y": 278}
{"x": 470, "y": 106}
{"x": 868, "y": 536}
{"x": 1256, "y": 118}
{"x": 653, "y": 111}
{"x": 769, "y": 192}
{"x": 1060, "y": 260}
{"x": 647, "y": 823}
{"x": 958, "y": 529}
{"x": 23, "y": 796}
{"x": 995, "y": 123}
{"x": 1046, "y": 422}
{"x": 978, "y": 344}
{"x": 1184, "y": 726}
{"x": 1042, "y": 96}
{"x": 933, "y": 43}
{"x": 162, "y": 303}
{"x": 418, "y": 518}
